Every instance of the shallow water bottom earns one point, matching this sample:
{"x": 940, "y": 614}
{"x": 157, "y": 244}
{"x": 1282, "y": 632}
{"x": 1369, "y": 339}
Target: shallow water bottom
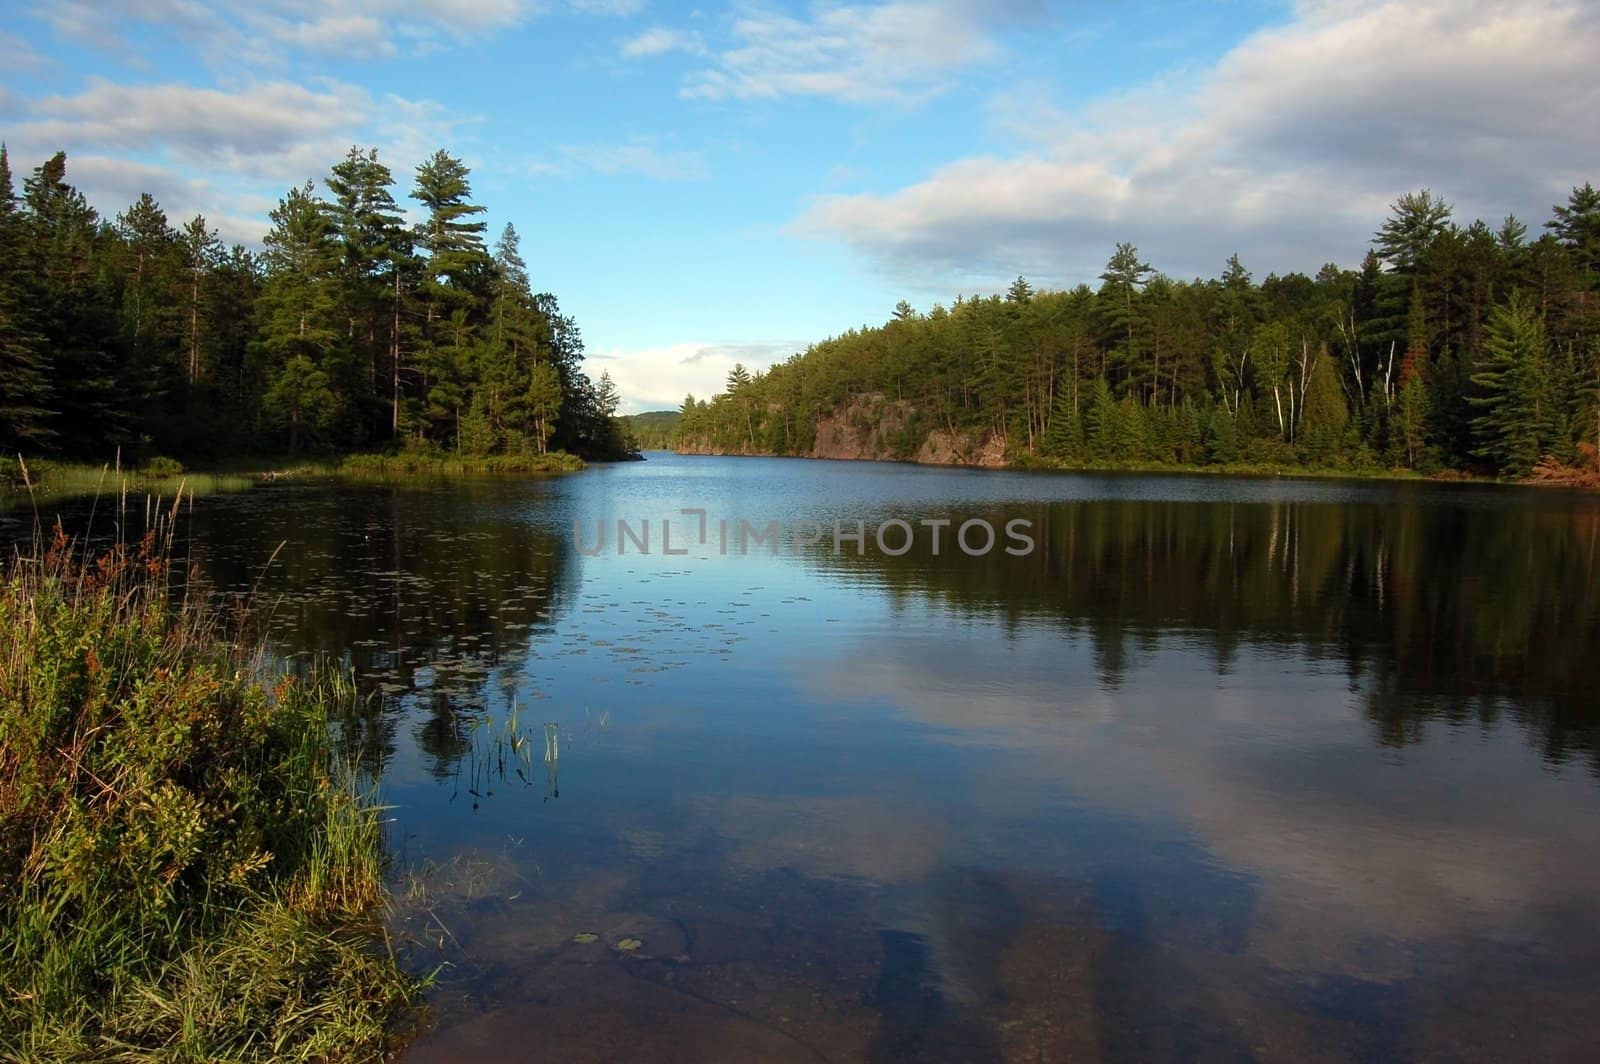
{"x": 959, "y": 965}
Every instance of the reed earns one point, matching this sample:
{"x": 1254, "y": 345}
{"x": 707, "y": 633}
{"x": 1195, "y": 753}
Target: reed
{"x": 188, "y": 868}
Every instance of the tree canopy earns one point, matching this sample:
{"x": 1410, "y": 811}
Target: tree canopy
{"x": 348, "y": 328}
{"x": 1459, "y": 347}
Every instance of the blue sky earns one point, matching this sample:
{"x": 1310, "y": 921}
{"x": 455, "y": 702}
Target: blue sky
{"x": 706, "y": 184}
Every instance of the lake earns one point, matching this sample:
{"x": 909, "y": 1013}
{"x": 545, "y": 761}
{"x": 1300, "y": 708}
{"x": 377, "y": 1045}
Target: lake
{"x": 1219, "y": 769}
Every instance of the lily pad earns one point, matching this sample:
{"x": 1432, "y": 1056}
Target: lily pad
{"x": 585, "y": 937}
{"x": 628, "y": 945}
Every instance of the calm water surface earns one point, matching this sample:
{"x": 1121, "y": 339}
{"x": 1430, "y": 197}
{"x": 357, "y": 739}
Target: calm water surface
{"x": 1224, "y": 770}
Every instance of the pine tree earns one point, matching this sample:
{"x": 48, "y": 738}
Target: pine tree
{"x": 234, "y": 385}
{"x": 149, "y": 301}
{"x": 8, "y": 193}
{"x": 1121, "y": 314}
{"x": 456, "y": 276}
{"x": 1235, "y": 314}
{"x": 1324, "y": 414}
{"x": 1064, "y": 438}
{"x": 505, "y": 392}
{"x": 1414, "y": 363}
{"x": 1512, "y": 426}
{"x": 1589, "y": 420}
{"x": 544, "y": 397}
{"x": 739, "y": 381}
{"x": 1415, "y": 222}
{"x": 1411, "y": 418}
{"x": 301, "y": 399}
{"x": 1512, "y": 235}
{"x": 378, "y": 265}
{"x": 607, "y": 400}
{"x": 1222, "y": 436}
{"x": 457, "y": 263}
{"x": 69, "y": 296}
{"x": 449, "y": 364}
{"x": 1100, "y": 428}
{"x": 202, "y": 253}
{"x": 25, "y": 392}
{"x": 517, "y": 322}
{"x": 298, "y": 327}
{"x": 365, "y": 215}
{"x": 1577, "y": 226}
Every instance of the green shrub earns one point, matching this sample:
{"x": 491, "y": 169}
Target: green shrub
{"x": 186, "y": 871}
{"x": 429, "y": 461}
{"x": 160, "y": 466}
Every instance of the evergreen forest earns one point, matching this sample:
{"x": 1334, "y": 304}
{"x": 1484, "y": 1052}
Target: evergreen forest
{"x": 351, "y": 329}
{"x": 1470, "y": 348}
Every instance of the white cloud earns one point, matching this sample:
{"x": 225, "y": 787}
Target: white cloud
{"x": 639, "y": 156}
{"x": 228, "y": 154}
{"x": 470, "y": 16}
{"x": 269, "y": 32}
{"x": 659, "y": 40}
{"x": 18, "y": 55}
{"x": 1355, "y": 863}
{"x": 349, "y": 36}
{"x": 196, "y": 123}
{"x": 860, "y": 53}
{"x": 100, "y": 25}
{"x": 607, "y": 7}
{"x": 657, "y": 378}
{"x": 112, "y": 184}
{"x": 1288, "y": 150}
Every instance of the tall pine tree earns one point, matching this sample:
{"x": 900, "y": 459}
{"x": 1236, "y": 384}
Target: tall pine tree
{"x": 1513, "y": 424}
{"x": 299, "y": 334}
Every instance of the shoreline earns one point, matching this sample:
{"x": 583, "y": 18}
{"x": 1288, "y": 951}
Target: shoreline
{"x": 53, "y": 479}
{"x": 1047, "y": 465}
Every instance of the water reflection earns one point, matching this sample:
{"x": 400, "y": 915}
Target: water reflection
{"x": 434, "y": 595}
{"x": 1435, "y": 612}
{"x": 1225, "y": 770}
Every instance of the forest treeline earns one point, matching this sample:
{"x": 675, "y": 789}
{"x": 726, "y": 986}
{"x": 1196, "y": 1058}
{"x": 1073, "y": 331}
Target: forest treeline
{"x": 1453, "y": 347}
{"x": 351, "y": 329}
{"x": 652, "y": 430}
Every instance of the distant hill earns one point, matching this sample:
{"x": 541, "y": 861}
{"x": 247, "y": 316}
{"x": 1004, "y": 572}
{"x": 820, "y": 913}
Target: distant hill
{"x": 653, "y": 429}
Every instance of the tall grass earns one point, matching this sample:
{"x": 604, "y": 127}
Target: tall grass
{"x": 187, "y": 869}
{"x": 418, "y": 460}
{"x": 44, "y": 479}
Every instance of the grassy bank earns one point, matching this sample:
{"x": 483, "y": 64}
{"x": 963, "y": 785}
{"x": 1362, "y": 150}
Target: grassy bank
{"x": 446, "y": 463}
{"x": 1226, "y": 469}
{"x": 1546, "y": 474}
{"x": 187, "y": 871}
{"x": 52, "y": 479}
{"x": 164, "y": 477}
